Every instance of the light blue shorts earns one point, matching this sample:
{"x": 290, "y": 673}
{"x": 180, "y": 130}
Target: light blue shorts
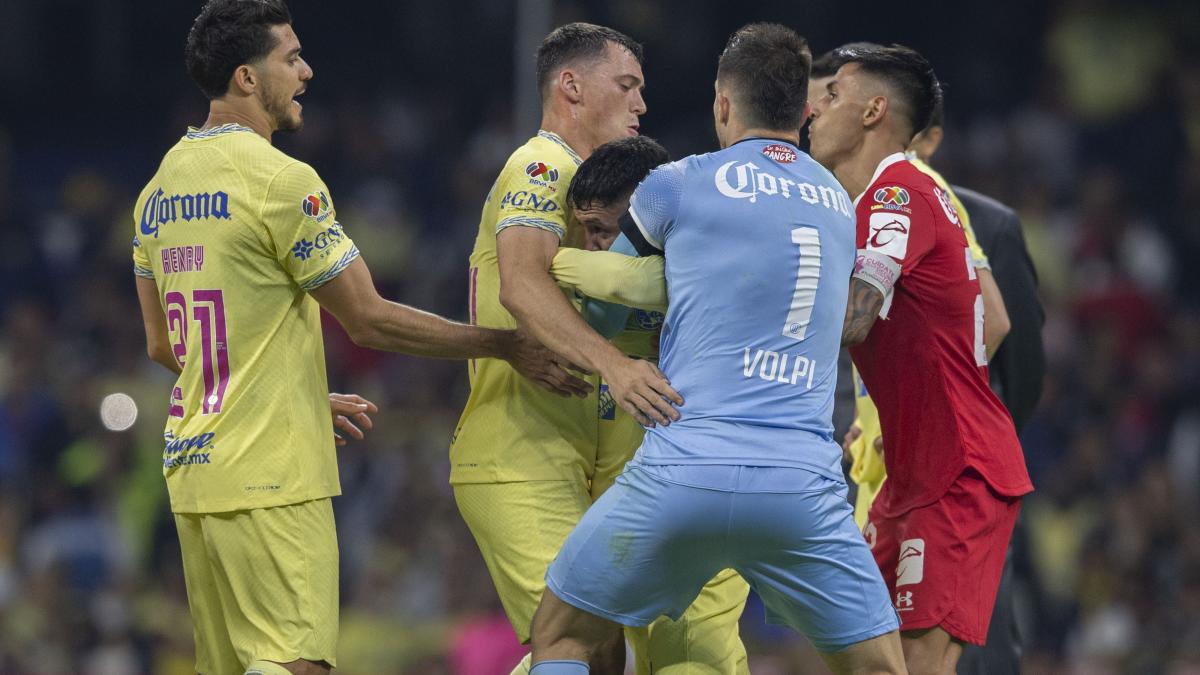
{"x": 649, "y": 544}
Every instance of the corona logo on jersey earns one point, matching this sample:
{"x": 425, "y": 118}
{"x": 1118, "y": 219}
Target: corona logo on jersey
{"x": 316, "y": 206}
{"x": 748, "y": 181}
{"x": 161, "y": 209}
{"x": 541, "y": 172}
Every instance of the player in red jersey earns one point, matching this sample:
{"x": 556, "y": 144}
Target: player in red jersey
{"x": 941, "y": 524}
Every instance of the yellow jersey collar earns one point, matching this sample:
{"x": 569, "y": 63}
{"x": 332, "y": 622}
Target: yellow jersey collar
{"x": 555, "y": 138}
{"x": 193, "y": 133}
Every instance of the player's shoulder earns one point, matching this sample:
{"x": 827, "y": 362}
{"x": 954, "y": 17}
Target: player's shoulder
{"x": 907, "y": 173}
{"x": 544, "y": 161}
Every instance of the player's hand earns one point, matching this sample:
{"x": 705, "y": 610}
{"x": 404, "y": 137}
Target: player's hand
{"x": 350, "y": 412}
{"x": 643, "y": 391}
{"x": 852, "y": 435}
{"x": 549, "y": 370}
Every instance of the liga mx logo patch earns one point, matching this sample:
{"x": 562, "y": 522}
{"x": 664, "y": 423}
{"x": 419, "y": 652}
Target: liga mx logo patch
{"x": 542, "y": 172}
{"x": 894, "y": 195}
{"x": 315, "y": 206}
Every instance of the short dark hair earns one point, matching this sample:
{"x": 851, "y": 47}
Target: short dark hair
{"x": 228, "y": 34}
{"x": 614, "y": 170}
{"x": 767, "y": 66}
{"x": 575, "y": 41}
{"x": 907, "y": 72}
{"x": 827, "y": 64}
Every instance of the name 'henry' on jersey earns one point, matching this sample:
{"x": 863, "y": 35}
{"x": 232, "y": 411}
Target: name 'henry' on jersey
{"x": 234, "y": 234}
{"x": 759, "y": 246}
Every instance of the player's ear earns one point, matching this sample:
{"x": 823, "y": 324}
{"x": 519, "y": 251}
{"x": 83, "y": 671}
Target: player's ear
{"x": 569, "y": 84}
{"x": 804, "y": 115}
{"x": 244, "y": 79}
{"x": 874, "y": 111}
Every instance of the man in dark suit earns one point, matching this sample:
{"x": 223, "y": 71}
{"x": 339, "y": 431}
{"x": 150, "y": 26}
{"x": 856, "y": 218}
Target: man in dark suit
{"x": 1016, "y": 372}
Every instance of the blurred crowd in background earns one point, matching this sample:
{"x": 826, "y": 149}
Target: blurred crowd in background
{"x": 1089, "y": 125}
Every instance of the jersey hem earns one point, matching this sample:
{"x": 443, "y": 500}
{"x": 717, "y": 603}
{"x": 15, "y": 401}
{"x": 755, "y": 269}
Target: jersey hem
{"x": 231, "y": 505}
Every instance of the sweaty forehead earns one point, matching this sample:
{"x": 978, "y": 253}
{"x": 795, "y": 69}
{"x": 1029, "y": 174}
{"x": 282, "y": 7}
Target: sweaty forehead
{"x": 285, "y": 38}
{"x": 852, "y": 77}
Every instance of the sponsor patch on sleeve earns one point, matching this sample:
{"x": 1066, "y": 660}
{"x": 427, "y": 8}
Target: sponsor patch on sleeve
{"x": 943, "y": 198}
{"x": 888, "y": 234}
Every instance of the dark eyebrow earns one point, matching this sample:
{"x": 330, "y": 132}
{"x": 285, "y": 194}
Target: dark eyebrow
{"x": 293, "y": 52}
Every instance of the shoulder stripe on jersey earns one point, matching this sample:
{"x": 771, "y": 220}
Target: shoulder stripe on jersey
{"x": 530, "y": 221}
{"x": 632, "y": 228}
{"x": 194, "y": 133}
{"x": 328, "y": 275}
{"x": 144, "y": 272}
{"x": 553, "y": 138}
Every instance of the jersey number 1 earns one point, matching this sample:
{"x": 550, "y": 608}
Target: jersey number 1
{"x": 808, "y": 276}
{"x": 208, "y": 310}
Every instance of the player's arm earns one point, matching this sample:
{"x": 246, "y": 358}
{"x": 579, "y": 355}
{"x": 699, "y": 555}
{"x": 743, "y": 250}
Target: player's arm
{"x": 996, "y": 323}
{"x": 613, "y": 277}
{"x": 158, "y": 342}
{"x": 862, "y": 309}
{"x": 371, "y": 321}
{"x": 529, "y": 292}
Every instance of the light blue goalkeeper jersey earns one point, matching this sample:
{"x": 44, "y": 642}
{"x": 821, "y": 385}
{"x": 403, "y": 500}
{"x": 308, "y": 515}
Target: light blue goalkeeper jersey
{"x": 759, "y": 247}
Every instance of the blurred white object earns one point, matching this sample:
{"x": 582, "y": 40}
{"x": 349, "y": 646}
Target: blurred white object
{"x": 118, "y": 412}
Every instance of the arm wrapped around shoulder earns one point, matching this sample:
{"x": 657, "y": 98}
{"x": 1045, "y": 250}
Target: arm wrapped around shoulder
{"x": 878, "y": 269}
{"x": 613, "y": 277}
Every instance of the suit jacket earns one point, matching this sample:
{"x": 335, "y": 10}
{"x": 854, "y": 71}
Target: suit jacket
{"x": 1019, "y": 365}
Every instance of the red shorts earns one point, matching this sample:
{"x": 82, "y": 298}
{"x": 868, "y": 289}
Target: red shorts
{"x": 942, "y": 562}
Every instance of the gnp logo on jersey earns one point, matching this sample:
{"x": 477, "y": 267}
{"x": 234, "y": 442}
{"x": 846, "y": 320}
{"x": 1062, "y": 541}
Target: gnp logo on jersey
{"x": 161, "y": 209}
{"x": 888, "y": 234}
{"x": 541, "y": 173}
{"x": 316, "y": 206}
{"x": 910, "y": 569}
{"x": 943, "y": 198}
{"x": 780, "y": 153}
{"x": 747, "y": 181}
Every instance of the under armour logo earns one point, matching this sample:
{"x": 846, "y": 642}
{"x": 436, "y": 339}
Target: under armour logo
{"x": 904, "y": 601}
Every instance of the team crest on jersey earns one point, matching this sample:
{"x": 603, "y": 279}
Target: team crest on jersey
{"x": 316, "y": 206}
{"x": 780, "y": 153}
{"x": 943, "y": 198}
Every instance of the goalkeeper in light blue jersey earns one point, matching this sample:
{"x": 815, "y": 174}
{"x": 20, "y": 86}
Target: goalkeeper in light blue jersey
{"x": 758, "y": 241}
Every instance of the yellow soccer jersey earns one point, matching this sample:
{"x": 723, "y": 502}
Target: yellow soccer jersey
{"x": 511, "y": 429}
{"x": 234, "y": 232}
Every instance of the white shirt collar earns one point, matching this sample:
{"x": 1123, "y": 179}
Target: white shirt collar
{"x": 884, "y": 164}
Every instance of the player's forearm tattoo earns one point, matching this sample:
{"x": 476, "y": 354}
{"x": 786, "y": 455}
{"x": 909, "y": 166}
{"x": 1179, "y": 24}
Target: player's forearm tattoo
{"x": 861, "y": 311}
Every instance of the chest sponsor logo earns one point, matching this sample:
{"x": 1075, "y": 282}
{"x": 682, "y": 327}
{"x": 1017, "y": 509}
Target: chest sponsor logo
{"x": 162, "y": 209}
{"x": 316, "y": 206}
{"x": 910, "y": 568}
{"x": 888, "y": 234}
{"x": 948, "y": 208}
{"x": 748, "y": 181}
{"x": 186, "y": 450}
{"x": 780, "y": 153}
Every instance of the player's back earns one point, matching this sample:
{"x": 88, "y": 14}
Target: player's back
{"x": 234, "y": 232}
{"x": 759, "y": 248}
{"x": 924, "y": 361}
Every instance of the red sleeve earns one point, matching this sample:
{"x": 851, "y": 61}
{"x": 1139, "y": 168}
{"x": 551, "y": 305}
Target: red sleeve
{"x": 896, "y": 220}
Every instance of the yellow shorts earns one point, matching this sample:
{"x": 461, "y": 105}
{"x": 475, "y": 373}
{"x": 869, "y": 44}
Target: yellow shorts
{"x": 262, "y": 585}
{"x": 520, "y": 527}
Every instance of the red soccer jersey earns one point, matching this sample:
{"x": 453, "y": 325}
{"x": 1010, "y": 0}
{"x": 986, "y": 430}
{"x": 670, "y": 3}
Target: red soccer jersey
{"x": 924, "y": 362}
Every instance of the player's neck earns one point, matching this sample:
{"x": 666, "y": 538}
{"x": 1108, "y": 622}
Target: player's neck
{"x": 570, "y": 130}
{"x": 223, "y": 112}
{"x": 856, "y": 172}
{"x": 740, "y": 135}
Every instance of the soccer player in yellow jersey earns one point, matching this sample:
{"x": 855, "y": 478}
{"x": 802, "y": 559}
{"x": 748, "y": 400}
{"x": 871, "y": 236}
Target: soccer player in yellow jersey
{"x": 522, "y": 460}
{"x": 233, "y": 241}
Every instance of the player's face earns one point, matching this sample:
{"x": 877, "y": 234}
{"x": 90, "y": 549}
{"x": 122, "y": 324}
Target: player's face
{"x": 600, "y": 224}
{"x": 838, "y": 103}
{"x": 611, "y": 96}
{"x": 284, "y": 76}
